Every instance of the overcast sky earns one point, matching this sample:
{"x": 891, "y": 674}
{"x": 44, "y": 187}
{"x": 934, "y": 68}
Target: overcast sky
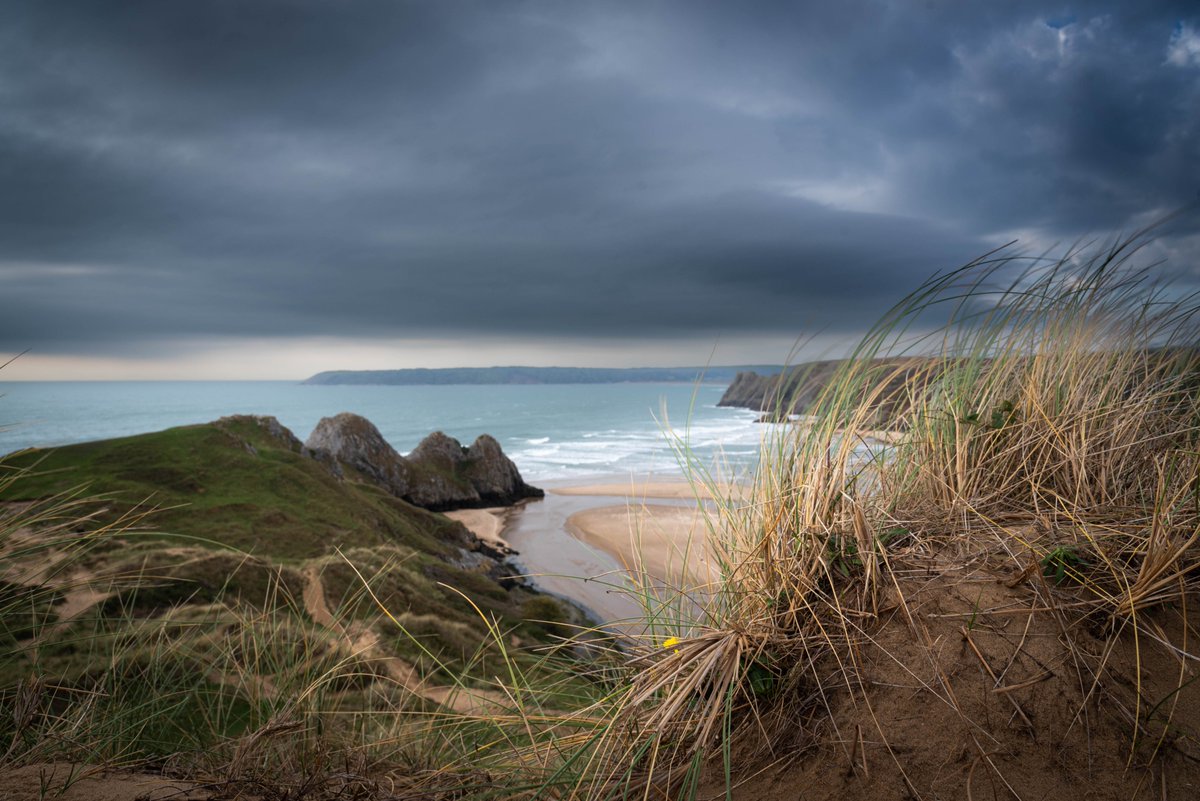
{"x": 223, "y": 188}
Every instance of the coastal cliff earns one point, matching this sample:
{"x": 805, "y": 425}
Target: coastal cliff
{"x": 794, "y": 391}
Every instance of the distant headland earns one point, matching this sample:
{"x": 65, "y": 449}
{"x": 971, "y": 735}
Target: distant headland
{"x": 541, "y": 375}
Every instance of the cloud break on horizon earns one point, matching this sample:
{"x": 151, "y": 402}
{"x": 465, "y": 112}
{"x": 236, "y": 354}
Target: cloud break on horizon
{"x": 270, "y": 189}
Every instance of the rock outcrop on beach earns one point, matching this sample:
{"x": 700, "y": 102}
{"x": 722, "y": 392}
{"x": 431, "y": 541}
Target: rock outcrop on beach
{"x": 354, "y": 442}
{"x": 439, "y": 474}
{"x": 492, "y": 473}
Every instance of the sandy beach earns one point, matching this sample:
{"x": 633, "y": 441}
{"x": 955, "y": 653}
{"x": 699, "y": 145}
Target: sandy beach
{"x": 666, "y": 543}
{"x": 594, "y": 543}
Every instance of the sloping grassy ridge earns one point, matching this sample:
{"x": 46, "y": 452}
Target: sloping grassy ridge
{"x": 168, "y": 595}
{"x": 237, "y": 483}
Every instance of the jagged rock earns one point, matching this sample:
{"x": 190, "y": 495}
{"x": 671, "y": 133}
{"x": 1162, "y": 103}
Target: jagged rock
{"x": 440, "y": 451}
{"x": 355, "y": 442}
{"x": 494, "y": 475}
{"x": 507, "y": 575}
{"x": 439, "y": 461}
{"x": 267, "y": 423}
{"x": 439, "y": 474}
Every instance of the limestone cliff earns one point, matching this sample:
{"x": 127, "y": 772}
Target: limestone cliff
{"x": 354, "y": 442}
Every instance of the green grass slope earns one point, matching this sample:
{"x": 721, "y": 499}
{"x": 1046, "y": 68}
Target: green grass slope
{"x": 236, "y": 483}
{"x": 263, "y": 587}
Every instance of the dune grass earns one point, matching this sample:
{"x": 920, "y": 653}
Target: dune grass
{"x": 1049, "y": 427}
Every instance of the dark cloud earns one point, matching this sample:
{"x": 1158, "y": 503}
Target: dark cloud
{"x": 616, "y": 169}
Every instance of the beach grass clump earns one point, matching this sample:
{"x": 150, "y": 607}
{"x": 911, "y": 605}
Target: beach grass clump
{"x": 1043, "y": 423}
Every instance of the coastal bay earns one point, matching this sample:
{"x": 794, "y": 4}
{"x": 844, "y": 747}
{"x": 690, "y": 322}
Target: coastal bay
{"x": 596, "y": 544}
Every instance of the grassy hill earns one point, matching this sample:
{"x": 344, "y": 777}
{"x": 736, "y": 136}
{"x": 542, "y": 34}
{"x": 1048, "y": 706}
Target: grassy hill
{"x": 201, "y": 581}
{"x": 236, "y": 483}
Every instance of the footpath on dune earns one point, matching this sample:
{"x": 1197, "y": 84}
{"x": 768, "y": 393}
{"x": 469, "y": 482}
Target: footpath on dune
{"x": 362, "y": 641}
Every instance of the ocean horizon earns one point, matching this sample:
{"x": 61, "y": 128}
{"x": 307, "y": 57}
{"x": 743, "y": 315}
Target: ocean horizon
{"x": 553, "y": 432}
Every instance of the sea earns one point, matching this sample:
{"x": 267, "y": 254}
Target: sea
{"x": 554, "y": 432}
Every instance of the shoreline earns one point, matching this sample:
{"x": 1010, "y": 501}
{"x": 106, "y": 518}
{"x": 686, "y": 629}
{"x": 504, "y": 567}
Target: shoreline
{"x": 662, "y": 544}
{"x": 600, "y": 544}
{"x": 487, "y": 524}
{"x": 639, "y": 489}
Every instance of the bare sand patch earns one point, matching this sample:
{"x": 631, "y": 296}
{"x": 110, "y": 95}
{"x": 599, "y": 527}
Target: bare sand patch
{"x": 66, "y": 782}
{"x": 486, "y": 524}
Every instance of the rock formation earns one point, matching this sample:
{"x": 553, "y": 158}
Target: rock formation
{"x": 494, "y": 475}
{"x": 267, "y": 423}
{"x": 354, "y": 442}
{"x": 439, "y": 459}
{"x": 440, "y": 474}
{"x": 278, "y": 431}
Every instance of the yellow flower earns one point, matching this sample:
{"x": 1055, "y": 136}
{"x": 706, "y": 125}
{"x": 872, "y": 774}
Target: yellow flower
{"x": 670, "y": 642}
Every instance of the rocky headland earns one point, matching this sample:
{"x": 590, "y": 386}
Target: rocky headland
{"x": 797, "y": 389}
{"x": 248, "y": 482}
{"x": 440, "y": 474}
{"x": 178, "y": 574}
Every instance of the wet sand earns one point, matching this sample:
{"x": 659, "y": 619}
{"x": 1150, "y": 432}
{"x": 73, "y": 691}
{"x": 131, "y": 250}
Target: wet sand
{"x": 665, "y": 543}
{"x": 582, "y": 541}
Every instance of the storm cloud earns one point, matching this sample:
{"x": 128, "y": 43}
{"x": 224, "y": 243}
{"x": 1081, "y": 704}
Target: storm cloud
{"x": 546, "y": 169}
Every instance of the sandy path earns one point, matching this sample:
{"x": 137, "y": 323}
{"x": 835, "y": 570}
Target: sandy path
{"x": 314, "y": 597}
{"x": 65, "y": 782}
{"x": 362, "y": 641}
